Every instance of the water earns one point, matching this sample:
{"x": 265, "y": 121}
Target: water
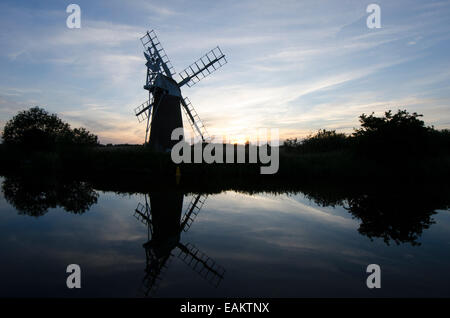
{"x": 260, "y": 245}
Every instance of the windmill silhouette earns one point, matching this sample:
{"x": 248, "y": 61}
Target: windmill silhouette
{"x": 161, "y": 213}
{"x": 162, "y": 110}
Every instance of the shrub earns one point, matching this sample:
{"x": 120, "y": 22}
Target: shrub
{"x": 36, "y": 129}
{"x": 322, "y": 141}
{"x": 401, "y": 133}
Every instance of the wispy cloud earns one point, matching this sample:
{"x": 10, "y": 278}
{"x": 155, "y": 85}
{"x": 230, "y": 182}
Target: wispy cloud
{"x": 296, "y": 66}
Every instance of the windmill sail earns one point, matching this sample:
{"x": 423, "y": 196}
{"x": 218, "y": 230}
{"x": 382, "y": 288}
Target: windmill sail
{"x": 162, "y": 110}
{"x": 201, "y": 68}
{"x": 156, "y": 51}
{"x": 143, "y": 111}
{"x": 194, "y": 120}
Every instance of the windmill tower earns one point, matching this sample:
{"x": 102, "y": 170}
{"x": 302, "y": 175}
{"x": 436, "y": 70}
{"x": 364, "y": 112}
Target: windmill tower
{"x": 162, "y": 111}
{"x": 161, "y": 213}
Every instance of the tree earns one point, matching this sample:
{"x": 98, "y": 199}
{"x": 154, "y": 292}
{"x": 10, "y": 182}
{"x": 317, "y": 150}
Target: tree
{"x": 80, "y": 136}
{"x": 400, "y": 133}
{"x": 35, "y": 128}
{"x": 401, "y": 121}
{"x": 322, "y": 141}
{"x": 325, "y": 140}
{"x": 291, "y": 144}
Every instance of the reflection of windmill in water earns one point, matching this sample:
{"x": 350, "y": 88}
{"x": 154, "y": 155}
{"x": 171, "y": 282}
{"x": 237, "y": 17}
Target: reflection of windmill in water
{"x": 162, "y": 215}
{"x": 162, "y": 111}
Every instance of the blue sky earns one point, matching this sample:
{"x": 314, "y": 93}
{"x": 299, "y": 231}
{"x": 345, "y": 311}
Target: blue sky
{"x": 293, "y": 65}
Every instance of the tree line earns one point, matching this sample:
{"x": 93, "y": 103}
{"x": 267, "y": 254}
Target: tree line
{"x": 36, "y": 129}
{"x": 401, "y": 133}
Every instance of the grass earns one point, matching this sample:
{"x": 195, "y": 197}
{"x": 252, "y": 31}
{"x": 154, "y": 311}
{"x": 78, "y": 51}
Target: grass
{"x": 138, "y": 164}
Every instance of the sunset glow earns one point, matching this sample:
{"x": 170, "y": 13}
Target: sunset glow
{"x": 294, "y": 66}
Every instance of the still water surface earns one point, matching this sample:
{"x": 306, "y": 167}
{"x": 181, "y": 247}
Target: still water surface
{"x": 234, "y": 244}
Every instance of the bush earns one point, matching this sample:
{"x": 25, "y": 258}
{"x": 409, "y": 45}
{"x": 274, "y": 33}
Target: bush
{"x": 322, "y": 141}
{"x": 80, "y": 136}
{"x": 291, "y": 144}
{"x": 391, "y": 135}
{"x": 36, "y": 129}
{"x": 325, "y": 140}
{"x": 401, "y": 133}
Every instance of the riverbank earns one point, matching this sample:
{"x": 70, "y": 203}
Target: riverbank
{"x": 138, "y": 166}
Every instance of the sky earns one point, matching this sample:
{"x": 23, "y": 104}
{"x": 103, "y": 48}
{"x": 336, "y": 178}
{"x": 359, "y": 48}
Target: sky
{"x": 295, "y": 66}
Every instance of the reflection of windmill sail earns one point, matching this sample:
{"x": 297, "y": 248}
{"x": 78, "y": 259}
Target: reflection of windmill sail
{"x": 154, "y": 271}
{"x": 193, "y": 209}
{"x": 201, "y": 263}
{"x": 142, "y": 213}
{"x": 190, "y": 255}
{"x": 161, "y": 213}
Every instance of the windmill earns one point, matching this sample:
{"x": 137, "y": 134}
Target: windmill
{"x": 161, "y": 213}
{"x": 162, "y": 110}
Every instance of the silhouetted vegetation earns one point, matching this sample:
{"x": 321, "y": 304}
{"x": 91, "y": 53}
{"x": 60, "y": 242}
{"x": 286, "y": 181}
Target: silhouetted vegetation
{"x": 398, "y": 134}
{"x": 36, "y": 129}
{"x": 391, "y": 135}
{"x": 323, "y": 141}
{"x": 390, "y": 147}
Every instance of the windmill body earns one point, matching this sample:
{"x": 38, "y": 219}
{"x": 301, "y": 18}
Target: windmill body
{"x": 167, "y": 113}
{"x": 162, "y": 111}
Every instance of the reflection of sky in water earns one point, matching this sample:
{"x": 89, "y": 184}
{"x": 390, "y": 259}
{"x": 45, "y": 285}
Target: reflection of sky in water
{"x": 269, "y": 245}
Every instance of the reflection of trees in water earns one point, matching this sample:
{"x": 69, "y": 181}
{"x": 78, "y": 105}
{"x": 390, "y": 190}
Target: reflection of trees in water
{"x": 394, "y": 215}
{"x": 392, "y": 218}
{"x": 35, "y": 196}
